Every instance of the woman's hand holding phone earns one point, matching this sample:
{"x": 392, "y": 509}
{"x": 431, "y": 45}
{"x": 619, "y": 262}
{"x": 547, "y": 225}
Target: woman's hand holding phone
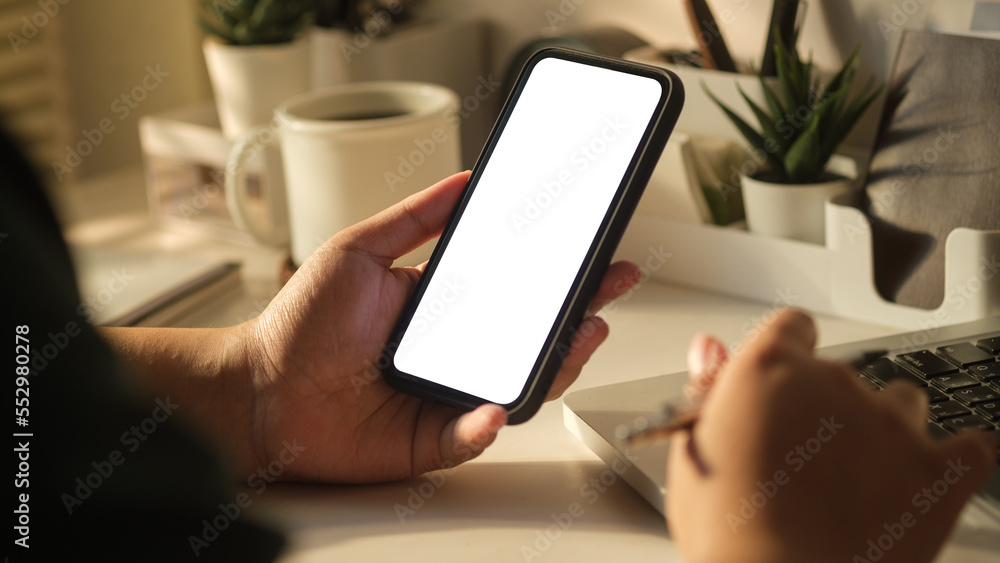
{"x": 315, "y": 354}
{"x": 551, "y": 195}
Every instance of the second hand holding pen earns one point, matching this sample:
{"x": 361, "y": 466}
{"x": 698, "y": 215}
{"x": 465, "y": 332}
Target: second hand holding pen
{"x": 683, "y": 415}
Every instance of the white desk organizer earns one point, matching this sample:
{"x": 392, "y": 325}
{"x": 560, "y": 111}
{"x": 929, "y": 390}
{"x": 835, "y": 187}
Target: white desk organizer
{"x": 835, "y": 279}
{"x": 971, "y": 287}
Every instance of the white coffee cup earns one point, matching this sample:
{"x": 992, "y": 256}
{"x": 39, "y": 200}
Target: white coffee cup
{"x": 350, "y": 151}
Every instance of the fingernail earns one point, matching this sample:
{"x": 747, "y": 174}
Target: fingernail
{"x": 700, "y": 355}
{"x": 715, "y": 355}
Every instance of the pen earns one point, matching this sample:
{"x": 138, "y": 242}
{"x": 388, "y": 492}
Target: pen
{"x": 709, "y": 36}
{"x": 682, "y": 415}
{"x": 784, "y": 15}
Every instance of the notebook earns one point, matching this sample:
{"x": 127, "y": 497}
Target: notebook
{"x": 936, "y": 165}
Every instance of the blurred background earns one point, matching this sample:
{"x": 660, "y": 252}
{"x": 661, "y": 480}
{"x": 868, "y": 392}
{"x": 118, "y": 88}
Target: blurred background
{"x": 82, "y": 56}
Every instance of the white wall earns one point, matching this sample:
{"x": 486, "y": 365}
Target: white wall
{"x": 106, "y": 48}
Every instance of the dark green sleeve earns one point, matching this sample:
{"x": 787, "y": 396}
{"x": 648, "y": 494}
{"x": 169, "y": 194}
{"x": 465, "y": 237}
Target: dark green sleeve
{"x": 108, "y": 476}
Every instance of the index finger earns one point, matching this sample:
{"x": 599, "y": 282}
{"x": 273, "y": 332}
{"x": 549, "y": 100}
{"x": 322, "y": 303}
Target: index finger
{"x": 410, "y": 223}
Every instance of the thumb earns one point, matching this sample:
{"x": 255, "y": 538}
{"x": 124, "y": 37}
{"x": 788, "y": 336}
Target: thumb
{"x": 466, "y": 437}
{"x": 408, "y": 224}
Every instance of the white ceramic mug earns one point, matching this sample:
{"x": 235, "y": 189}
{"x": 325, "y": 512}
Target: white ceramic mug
{"x": 349, "y": 152}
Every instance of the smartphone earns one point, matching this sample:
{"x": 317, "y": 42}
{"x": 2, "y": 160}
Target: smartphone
{"x": 522, "y": 255}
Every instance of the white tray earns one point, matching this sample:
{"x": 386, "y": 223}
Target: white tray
{"x": 835, "y": 279}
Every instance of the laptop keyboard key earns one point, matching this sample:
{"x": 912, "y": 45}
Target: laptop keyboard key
{"x": 936, "y": 432}
{"x": 974, "y": 395}
{"x": 955, "y": 381}
{"x": 934, "y": 395}
{"x": 970, "y": 422}
{"x": 989, "y": 411}
{"x": 869, "y": 383}
{"x": 946, "y": 409}
{"x": 925, "y": 364}
{"x": 965, "y": 354}
{"x": 884, "y": 371}
{"x": 991, "y": 345}
{"x": 985, "y": 372}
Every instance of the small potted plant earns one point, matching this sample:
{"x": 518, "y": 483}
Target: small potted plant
{"x": 800, "y": 129}
{"x": 257, "y": 56}
{"x": 343, "y": 30}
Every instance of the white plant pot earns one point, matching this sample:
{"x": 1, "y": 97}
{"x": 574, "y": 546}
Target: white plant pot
{"x": 331, "y": 52}
{"x": 794, "y": 211}
{"x": 250, "y": 81}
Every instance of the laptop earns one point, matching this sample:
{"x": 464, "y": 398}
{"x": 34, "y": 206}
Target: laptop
{"x": 958, "y": 366}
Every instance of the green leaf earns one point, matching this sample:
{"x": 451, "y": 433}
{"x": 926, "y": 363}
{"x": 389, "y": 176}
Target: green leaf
{"x": 808, "y": 89}
{"x": 846, "y": 73}
{"x": 789, "y": 77}
{"x": 802, "y": 162}
{"x": 777, "y": 110}
{"x": 752, "y": 136}
{"x": 847, "y": 121}
{"x": 768, "y": 127}
{"x": 257, "y": 22}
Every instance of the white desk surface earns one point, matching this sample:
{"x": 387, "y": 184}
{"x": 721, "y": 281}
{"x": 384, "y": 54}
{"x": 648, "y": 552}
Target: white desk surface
{"x": 499, "y": 506}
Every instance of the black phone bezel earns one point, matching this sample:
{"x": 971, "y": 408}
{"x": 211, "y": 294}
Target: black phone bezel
{"x": 587, "y": 281}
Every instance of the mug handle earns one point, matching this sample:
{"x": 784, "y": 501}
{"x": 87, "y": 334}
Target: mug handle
{"x": 236, "y": 187}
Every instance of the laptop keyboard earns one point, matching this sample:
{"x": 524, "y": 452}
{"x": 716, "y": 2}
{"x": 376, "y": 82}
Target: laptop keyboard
{"x": 962, "y": 381}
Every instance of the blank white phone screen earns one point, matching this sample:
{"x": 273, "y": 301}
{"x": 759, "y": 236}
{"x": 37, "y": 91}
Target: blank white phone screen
{"x": 525, "y": 232}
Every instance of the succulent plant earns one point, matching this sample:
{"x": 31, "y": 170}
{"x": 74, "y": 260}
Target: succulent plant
{"x": 256, "y": 22}
{"x": 365, "y": 15}
{"x": 803, "y": 123}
